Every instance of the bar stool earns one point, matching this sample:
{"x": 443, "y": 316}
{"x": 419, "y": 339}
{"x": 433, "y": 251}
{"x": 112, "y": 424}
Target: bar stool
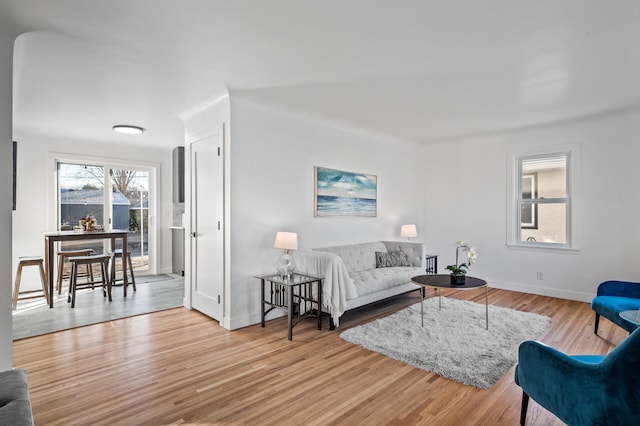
{"x": 30, "y": 261}
{"x": 76, "y": 261}
{"x": 117, "y": 254}
{"x": 63, "y": 255}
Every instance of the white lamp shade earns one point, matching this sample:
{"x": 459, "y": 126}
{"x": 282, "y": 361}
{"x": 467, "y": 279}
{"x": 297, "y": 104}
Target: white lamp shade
{"x": 408, "y": 231}
{"x": 286, "y": 240}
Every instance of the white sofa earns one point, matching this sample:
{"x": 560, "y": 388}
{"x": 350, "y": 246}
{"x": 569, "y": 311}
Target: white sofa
{"x": 351, "y": 278}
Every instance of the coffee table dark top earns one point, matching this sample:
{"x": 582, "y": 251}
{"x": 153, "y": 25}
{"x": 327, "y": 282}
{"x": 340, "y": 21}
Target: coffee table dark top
{"x": 444, "y": 281}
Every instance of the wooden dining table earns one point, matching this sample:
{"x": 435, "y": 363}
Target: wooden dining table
{"x": 50, "y": 238}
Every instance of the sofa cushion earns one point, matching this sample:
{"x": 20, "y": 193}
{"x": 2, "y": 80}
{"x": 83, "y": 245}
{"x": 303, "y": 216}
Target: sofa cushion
{"x": 415, "y": 251}
{"x": 393, "y": 258}
{"x": 377, "y": 279}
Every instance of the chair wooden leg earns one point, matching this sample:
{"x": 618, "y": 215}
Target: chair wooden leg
{"x": 523, "y": 408}
{"x": 595, "y": 326}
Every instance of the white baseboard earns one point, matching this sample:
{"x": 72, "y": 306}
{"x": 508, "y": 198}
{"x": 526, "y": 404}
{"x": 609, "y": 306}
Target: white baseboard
{"x": 542, "y": 291}
{"x": 247, "y": 320}
{"x": 242, "y": 321}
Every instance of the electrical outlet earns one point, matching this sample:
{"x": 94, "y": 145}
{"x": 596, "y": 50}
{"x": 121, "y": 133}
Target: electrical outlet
{"x": 540, "y": 275}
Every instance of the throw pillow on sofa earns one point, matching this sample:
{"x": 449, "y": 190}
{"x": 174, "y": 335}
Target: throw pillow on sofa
{"x": 393, "y": 258}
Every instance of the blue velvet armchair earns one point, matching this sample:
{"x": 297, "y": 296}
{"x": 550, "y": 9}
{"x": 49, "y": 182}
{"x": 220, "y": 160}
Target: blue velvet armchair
{"x": 582, "y": 389}
{"x": 614, "y": 297}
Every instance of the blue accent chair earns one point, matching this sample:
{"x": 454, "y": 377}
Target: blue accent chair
{"x": 614, "y": 297}
{"x": 582, "y": 389}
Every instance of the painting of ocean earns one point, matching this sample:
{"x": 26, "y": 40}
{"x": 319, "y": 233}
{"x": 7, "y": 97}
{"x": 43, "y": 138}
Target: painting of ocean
{"x": 340, "y": 193}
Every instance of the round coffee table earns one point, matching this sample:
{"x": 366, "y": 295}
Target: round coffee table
{"x": 439, "y": 281}
{"x": 633, "y": 316}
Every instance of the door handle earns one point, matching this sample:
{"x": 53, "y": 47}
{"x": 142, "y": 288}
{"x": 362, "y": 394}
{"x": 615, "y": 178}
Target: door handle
{"x": 193, "y": 234}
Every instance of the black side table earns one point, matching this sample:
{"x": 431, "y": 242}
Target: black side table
{"x": 283, "y": 291}
{"x": 432, "y": 263}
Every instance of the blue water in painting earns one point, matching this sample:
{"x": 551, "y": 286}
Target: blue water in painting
{"x": 329, "y": 205}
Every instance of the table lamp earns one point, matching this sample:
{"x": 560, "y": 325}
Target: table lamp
{"x": 287, "y": 241}
{"x": 408, "y": 231}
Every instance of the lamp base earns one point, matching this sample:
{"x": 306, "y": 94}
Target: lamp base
{"x": 286, "y": 266}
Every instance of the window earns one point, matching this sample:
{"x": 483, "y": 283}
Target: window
{"x": 542, "y": 201}
{"x": 115, "y": 196}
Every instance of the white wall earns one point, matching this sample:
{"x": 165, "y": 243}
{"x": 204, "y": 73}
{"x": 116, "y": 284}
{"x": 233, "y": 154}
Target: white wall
{"x": 36, "y": 184}
{"x": 273, "y": 154}
{"x": 6, "y": 191}
{"x": 465, "y": 197}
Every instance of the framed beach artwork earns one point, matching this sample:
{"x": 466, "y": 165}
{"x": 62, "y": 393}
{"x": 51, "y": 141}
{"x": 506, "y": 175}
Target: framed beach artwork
{"x": 340, "y": 193}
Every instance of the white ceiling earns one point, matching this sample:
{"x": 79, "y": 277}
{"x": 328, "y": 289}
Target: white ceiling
{"x": 415, "y": 70}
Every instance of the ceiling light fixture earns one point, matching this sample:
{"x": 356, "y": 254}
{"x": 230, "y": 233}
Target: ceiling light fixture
{"x": 129, "y": 130}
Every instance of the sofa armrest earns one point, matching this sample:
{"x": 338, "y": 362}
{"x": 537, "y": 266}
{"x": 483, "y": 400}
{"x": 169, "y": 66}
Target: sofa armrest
{"x": 619, "y": 288}
{"x": 15, "y": 406}
{"x": 338, "y": 286}
{"x": 415, "y": 251}
{"x": 563, "y": 384}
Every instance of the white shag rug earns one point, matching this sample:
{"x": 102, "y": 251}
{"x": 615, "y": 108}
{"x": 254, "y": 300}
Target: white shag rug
{"x": 453, "y": 342}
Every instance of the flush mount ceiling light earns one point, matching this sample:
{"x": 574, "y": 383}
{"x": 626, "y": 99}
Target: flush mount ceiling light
{"x": 129, "y": 130}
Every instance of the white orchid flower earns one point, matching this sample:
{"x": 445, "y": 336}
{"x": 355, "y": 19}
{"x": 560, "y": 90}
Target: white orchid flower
{"x": 472, "y": 255}
{"x": 471, "y": 258}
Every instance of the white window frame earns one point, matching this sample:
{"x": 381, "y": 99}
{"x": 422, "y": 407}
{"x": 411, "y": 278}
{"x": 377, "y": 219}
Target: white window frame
{"x": 514, "y": 191}
{"x": 53, "y": 158}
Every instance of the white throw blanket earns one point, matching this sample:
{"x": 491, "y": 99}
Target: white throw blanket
{"x": 338, "y": 286}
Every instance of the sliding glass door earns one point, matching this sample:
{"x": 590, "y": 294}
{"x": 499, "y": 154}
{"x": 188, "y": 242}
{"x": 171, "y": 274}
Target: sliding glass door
{"x": 110, "y": 196}
{"x": 130, "y": 210}
{"x": 81, "y": 195}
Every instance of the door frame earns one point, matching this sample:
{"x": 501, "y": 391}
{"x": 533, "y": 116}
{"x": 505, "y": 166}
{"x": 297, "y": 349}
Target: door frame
{"x": 223, "y": 130}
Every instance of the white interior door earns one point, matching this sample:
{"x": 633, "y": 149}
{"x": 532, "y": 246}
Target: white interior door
{"x": 207, "y": 241}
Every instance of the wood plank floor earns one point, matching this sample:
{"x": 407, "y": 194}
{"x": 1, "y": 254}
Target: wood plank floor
{"x": 180, "y": 367}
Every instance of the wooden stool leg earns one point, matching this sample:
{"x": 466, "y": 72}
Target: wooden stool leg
{"x": 60, "y": 269}
{"x": 133, "y": 279}
{"x": 72, "y": 284}
{"x": 16, "y": 289}
{"x": 112, "y": 276}
{"x": 45, "y": 284}
{"x": 107, "y": 265}
{"x": 103, "y": 280}
{"x": 106, "y": 281}
{"x": 90, "y": 274}
{"x": 109, "y": 282}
